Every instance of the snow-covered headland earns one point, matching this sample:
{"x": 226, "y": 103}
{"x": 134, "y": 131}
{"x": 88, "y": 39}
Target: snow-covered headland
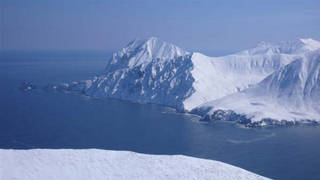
{"x": 39, "y": 164}
{"x": 271, "y": 84}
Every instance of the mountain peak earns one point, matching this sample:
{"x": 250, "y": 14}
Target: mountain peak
{"x": 298, "y": 46}
{"x": 153, "y": 38}
{"x": 142, "y": 51}
{"x": 285, "y": 47}
{"x": 310, "y": 44}
{"x": 140, "y": 41}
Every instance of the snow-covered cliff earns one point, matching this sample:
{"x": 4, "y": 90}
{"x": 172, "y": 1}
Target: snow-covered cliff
{"x": 147, "y": 71}
{"x": 154, "y": 71}
{"x": 290, "y": 95}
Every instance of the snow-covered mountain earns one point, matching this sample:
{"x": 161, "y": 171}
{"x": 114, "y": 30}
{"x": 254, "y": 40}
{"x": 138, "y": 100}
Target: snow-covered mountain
{"x": 216, "y": 77}
{"x": 146, "y": 71}
{"x": 290, "y": 95}
{"x": 63, "y": 164}
{"x": 154, "y": 71}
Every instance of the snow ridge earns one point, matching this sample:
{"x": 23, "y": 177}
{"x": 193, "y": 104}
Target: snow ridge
{"x": 39, "y": 164}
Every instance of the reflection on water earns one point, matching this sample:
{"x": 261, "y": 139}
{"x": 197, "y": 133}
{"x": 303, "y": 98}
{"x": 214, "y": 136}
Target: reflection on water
{"x": 236, "y": 141}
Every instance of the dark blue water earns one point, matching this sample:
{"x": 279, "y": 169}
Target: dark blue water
{"x": 53, "y": 120}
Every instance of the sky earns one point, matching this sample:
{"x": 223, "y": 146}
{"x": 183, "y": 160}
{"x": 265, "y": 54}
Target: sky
{"x": 212, "y": 26}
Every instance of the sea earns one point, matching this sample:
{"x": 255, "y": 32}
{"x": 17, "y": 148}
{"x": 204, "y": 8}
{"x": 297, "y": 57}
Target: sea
{"x": 52, "y": 120}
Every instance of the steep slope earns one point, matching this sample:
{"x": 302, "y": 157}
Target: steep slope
{"x": 216, "y": 77}
{"x": 39, "y": 164}
{"x": 290, "y": 94}
{"x": 142, "y": 52}
{"x": 146, "y": 71}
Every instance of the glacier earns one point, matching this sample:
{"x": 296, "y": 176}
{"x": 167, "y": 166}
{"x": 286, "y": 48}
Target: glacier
{"x": 270, "y": 83}
{"x": 85, "y": 164}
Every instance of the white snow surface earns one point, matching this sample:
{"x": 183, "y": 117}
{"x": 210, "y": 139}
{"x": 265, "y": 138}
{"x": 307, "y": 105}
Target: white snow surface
{"x": 154, "y": 71}
{"x": 40, "y": 164}
{"x": 216, "y": 77}
{"x": 291, "y": 93}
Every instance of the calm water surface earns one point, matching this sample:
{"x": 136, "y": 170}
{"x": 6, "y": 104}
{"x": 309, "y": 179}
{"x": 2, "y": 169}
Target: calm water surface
{"x": 54, "y": 120}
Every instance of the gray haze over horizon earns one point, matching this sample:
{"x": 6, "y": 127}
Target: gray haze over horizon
{"x": 212, "y": 27}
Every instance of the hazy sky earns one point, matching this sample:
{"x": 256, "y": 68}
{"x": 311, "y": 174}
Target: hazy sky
{"x": 199, "y": 25}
